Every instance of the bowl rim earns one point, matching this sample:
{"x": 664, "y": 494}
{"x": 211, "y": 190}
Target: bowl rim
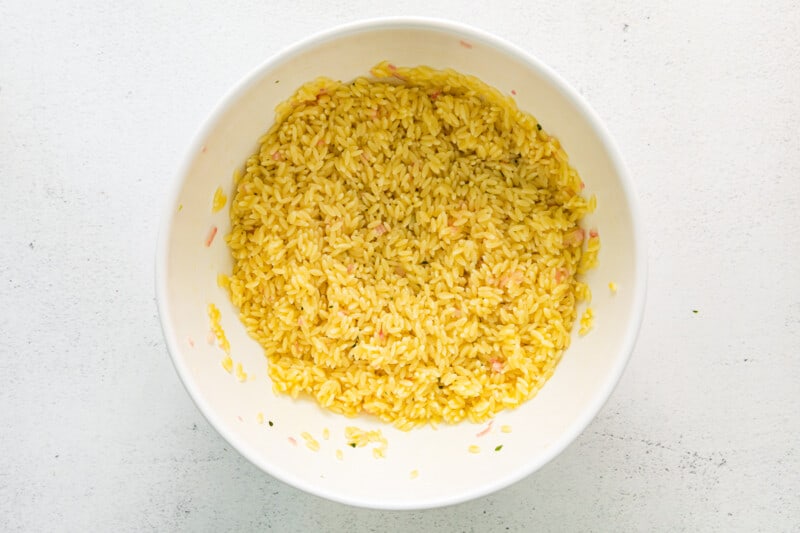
{"x": 437, "y": 25}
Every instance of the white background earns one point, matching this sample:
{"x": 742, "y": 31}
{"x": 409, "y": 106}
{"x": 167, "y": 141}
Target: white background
{"x": 97, "y": 104}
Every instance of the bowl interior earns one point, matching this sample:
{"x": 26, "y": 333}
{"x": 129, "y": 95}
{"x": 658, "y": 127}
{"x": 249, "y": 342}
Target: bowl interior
{"x": 447, "y": 471}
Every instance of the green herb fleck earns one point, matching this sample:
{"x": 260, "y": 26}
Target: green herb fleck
{"x": 352, "y": 444}
{"x": 538, "y": 126}
{"x": 271, "y": 424}
{"x": 424, "y": 262}
{"x": 498, "y": 448}
{"x": 695, "y": 311}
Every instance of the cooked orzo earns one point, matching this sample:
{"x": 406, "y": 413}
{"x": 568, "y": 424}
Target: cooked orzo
{"x": 407, "y": 245}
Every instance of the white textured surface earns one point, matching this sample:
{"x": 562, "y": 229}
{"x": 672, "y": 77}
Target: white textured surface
{"x": 97, "y": 103}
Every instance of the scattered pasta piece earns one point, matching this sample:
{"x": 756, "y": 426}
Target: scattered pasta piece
{"x": 216, "y": 327}
{"x": 358, "y": 438}
{"x": 241, "y": 375}
{"x": 219, "y": 200}
{"x": 587, "y": 321}
{"x": 311, "y": 442}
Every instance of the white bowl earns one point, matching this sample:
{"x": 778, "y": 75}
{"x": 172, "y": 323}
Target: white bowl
{"x": 186, "y": 282}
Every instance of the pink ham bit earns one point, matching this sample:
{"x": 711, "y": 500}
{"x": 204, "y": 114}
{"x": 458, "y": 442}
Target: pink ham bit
{"x": 513, "y": 92}
{"x": 561, "y": 275}
{"x": 435, "y": 95}
{"x": 381, "y": 335}
{"x": 451, "y": 223}
{"x": 497, "y": 365}
{"x": 593, "y": 233}
{"x": 583, "y": 185}
{"x": 393, "y": 70}
{"x": 400, "y": 271}
{"x": 321, "y": 142}
{"x": 210, "y": 337}
{"x": 575, "y": 237}
{"x": 465, "y": 44}
{"x": 276, "y": 156}
{"x": 210, "y": 237}
{"x": 204, "y": 149}
{"x": 190, "y": 342}
{"x": 485, "y": 430}
{"x": 292, "y": 441}
{"x": 239, "y": 418}
{"x": 351, "y": 268}
{"x": 380, "y": 229}
{"x": 300, "y": 322}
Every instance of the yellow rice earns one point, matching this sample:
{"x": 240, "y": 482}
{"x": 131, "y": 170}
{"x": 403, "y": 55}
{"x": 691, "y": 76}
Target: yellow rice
{"x": 406, "y": 245}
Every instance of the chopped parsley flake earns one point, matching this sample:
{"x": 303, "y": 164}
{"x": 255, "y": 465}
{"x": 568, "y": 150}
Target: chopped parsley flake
{"x": 498, "y": 448}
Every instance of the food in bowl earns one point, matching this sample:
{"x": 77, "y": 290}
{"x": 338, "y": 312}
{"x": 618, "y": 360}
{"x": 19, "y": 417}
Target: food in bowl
{"x": 408, "y": 246}
{"x": 427, "y": 467}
